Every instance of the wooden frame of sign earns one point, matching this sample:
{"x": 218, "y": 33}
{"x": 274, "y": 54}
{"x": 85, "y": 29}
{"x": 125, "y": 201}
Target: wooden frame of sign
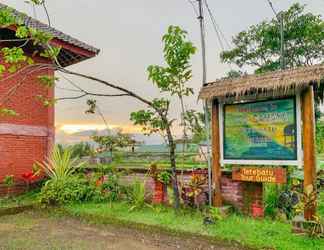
{"x": 297, "y": 82}
{"x": 305, "y": 138}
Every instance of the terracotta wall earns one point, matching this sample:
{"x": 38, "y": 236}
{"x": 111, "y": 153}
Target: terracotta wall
{"x": 29, "y": 136}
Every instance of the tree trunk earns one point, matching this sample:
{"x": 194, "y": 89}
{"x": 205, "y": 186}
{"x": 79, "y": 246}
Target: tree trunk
{"x": 173, "y": 167}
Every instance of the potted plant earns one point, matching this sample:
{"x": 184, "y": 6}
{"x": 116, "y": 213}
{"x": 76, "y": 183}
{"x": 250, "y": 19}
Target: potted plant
{"x": 193, "y": 192}
{"x": 162, "y": 179}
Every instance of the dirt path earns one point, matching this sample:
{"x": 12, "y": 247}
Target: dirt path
{"x": 36, "y": 231}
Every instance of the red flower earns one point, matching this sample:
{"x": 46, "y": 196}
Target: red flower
{"x": 29, "y": 176}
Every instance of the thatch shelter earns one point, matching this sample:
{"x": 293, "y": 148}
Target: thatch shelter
{"x": 272, "y": 84}
{"x": 300, "y": 84}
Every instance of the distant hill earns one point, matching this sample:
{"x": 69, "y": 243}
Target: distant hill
{"x": 84, "y": 136}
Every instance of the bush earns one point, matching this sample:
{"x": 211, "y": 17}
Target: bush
{"x": 111, "y": 187}
{"x": 271, "y": 200}
{"x": 136, "y": 195}
{"x": 69, "y": 190}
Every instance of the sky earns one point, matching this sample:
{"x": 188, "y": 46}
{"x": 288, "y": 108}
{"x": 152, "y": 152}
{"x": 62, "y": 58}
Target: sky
{"x": 128, "y": 33}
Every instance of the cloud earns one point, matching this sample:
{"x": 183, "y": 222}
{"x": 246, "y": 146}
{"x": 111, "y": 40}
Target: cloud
{"x": 65, "y": 136}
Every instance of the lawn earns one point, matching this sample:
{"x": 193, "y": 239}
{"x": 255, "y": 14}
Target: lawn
{"x": 246, "y": 231}
{"x": 26, "y": 199}
{"x": 251, "y": 233}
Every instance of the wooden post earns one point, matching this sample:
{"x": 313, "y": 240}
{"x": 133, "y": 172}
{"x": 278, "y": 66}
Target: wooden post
{"x": 216, "y": 167}
{"x": 308, "y": 117}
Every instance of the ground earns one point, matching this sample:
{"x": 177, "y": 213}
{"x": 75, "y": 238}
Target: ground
{"x": 37, "y": 230}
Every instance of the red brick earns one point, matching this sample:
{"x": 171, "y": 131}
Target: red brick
{"x": 19, "y": 151}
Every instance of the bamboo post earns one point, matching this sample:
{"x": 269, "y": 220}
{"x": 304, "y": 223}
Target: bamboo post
{"x": 216, "y": 167}
{"x": 308, "y": 117}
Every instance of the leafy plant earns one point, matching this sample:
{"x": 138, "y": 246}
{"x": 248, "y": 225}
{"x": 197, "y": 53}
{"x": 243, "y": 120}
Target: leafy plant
{"x": 136, "y": 196}
{"x": 193, "y": 190}
{"x": 215, "y": 213}
{"x": 271, "y": 200}
{"x": 9, "y": 182}
{"x": 164, "y": 177}
{"x": 69, "y": 190}
{"x": 60, "y": 165}
{"x": 111, "y": 187}
{"x": 307, "y": 200}
{"x": 316, "y": 227}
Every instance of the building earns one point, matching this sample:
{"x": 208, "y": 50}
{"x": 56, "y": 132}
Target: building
{"x": 28, "y": 137}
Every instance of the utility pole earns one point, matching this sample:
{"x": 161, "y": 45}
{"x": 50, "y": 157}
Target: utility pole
{"x": 207, "y": 120}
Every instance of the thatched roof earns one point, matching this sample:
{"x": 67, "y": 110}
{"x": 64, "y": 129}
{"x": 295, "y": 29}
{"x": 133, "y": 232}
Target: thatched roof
{"x": 279, "y": 83}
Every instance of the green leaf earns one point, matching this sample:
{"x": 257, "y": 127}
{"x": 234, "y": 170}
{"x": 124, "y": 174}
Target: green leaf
{"x": 2, "y": 69}
{"x": 22, "y": 32}
{"x": 47, "y": 80}
{"x": 7, "y": 112}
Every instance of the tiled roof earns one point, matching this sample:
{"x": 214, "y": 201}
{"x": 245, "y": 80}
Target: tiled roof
{"x": 33, "y": 23}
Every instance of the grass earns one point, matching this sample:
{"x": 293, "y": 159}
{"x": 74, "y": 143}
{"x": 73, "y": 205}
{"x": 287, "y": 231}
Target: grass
{"x": 246, "y": 231}
{"x": 22, "y": 200}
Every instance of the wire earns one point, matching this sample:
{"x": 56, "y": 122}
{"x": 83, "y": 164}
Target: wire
{"x": 273, "y": 9}
{"x": 219, "y": 33}
{"x": 194, "y": 7}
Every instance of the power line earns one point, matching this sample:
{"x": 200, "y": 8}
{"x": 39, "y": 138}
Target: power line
{"x": 194, "y": 7}
{"x": 219, "y": 33}
{"x": 280, "y": 18}
{"x": 273, "y": 9}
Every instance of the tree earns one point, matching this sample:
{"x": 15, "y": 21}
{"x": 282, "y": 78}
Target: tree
{"x": 169, "y": 80}
{"x": 259, "y": 46}
{"x": 196, "y": 125}
{"x": 113, "y": 141}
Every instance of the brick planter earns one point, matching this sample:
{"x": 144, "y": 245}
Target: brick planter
{"x": 160, "y": 195}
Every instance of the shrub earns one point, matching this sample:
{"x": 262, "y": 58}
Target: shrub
{"x": 64, "y": 186}
{"x": 136, "y": 195}
{"x": 111, "y": 187}
{"x": 69, "y": 190}
{"x": 271, "y": 200}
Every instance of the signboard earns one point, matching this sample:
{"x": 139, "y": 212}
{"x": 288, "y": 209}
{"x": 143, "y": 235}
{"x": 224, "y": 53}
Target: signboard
{"x": 270, "y": 175}
{"x": 264, "y": 130}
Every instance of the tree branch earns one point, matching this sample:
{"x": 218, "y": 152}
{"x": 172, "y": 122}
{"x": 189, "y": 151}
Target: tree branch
{"x": 126, "y": 91}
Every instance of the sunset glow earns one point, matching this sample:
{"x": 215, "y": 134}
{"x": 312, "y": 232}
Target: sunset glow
{"x": 75, "y": 128}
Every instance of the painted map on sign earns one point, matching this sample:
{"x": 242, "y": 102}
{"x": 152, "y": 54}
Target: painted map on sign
{"x": 263, "y": 130}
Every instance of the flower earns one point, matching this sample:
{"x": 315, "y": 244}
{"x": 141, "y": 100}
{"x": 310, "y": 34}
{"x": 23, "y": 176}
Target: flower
{"x": 29, "y": 176}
